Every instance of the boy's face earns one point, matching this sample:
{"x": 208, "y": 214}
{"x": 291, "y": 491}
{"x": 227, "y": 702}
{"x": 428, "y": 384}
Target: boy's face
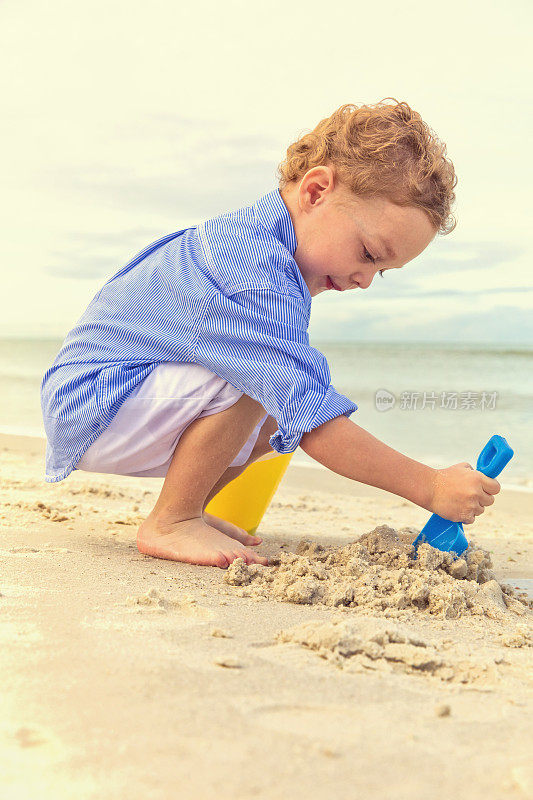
{"x": 344, "y": 240}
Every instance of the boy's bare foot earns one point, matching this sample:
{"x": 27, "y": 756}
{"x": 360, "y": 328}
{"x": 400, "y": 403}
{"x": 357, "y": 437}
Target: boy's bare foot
{"x": 192, "y": 541}
{"x": 231, "y": 530}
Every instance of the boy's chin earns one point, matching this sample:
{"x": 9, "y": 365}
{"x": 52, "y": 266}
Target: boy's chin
{"x": 316, "y": 285}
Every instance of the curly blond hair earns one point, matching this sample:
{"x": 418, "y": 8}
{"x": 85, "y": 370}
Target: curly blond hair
{"x": 383, "y": 150}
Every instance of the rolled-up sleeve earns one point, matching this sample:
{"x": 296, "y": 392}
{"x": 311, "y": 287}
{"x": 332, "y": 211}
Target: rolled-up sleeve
{"x": 257, "y": 340}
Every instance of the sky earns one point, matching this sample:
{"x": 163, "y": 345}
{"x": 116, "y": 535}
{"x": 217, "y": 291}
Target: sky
{"x": 123, "y": 121}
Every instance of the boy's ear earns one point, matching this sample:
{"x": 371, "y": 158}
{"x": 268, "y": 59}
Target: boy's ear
{"x": 317, "y": 183}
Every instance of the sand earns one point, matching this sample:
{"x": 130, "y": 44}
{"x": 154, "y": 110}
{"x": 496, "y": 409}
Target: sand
{"x": 131, "y": 677}
{"x": 383, "y": 572}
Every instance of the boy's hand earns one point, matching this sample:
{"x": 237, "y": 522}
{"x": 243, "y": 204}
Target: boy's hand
{"x": 461, "y": 493}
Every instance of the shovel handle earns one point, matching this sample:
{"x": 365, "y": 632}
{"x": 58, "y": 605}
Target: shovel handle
{"x": 494, "y": 457}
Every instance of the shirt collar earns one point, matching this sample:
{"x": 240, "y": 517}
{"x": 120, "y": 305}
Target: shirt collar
{"x": 274, "y": 215}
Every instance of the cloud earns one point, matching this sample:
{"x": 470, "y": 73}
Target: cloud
{"x": 503, "y": 323}
{"x": 460, "y": 255}
{"x": 414, "y": 293}
{"x": 211, "y": 172}
{"x": 199, "y": 173}
{"x": 82, "y": 266}
{"x": 468, "y": 269}
{"x": 453, "y": 261}
{"x": 99, "y": 254}
{"x": 201, "y": 134}
{"x": 477, "y": 292}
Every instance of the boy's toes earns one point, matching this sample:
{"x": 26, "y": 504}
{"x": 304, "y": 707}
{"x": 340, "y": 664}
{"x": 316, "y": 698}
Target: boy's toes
{"x": 221, "y": 560}
{"x": 242, "y": 536}
{"x": 255, "y": 559}
{"x": 247, "y": 539}
{"x": 247, "y": 556}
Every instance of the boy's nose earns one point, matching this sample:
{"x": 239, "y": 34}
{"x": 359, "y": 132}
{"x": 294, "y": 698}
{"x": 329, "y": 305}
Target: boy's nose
{"x": 365, "y": 281}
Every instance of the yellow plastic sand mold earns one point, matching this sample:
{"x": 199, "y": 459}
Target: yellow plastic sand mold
{"x": 245, "y": 500}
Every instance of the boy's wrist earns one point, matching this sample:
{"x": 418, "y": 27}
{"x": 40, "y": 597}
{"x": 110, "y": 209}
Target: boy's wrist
{"x": 423, "y": 487}
{"x": 410, "y": 479}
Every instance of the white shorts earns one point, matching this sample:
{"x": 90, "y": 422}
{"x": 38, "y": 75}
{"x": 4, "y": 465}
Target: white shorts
{"x": 140, "y": 440}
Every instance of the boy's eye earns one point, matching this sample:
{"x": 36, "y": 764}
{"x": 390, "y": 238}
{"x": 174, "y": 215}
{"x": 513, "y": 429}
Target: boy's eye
{"x": 367, "y": 255}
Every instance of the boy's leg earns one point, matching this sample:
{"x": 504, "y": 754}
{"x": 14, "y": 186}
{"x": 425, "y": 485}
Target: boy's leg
{"x": 175, "y": 529}
{"x": 261, "y": 448}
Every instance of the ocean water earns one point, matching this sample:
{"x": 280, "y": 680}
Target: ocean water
{"x": 441, "y": 402}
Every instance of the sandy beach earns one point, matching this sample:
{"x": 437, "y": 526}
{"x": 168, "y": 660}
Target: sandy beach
{"x": 125, "y": 676}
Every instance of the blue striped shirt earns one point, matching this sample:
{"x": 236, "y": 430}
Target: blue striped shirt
{"x": 226, "y": 294}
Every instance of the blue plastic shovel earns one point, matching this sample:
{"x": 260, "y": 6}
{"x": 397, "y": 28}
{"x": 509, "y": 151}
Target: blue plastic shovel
{"x": 449, "y": 536}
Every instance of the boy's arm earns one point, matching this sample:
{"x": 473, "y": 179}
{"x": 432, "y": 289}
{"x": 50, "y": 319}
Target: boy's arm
{"x": 457, "y": 493}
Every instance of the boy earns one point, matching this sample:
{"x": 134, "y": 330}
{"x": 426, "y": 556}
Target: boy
{"x": 194, "y": 359}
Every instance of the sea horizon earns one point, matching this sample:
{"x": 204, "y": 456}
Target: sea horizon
{"x": 490, "y": 383}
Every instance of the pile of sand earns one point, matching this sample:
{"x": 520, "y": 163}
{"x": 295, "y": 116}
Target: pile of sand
{"x": 382, "y": 573}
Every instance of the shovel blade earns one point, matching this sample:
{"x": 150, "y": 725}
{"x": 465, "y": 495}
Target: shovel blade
{"x": 443, "y": 535}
